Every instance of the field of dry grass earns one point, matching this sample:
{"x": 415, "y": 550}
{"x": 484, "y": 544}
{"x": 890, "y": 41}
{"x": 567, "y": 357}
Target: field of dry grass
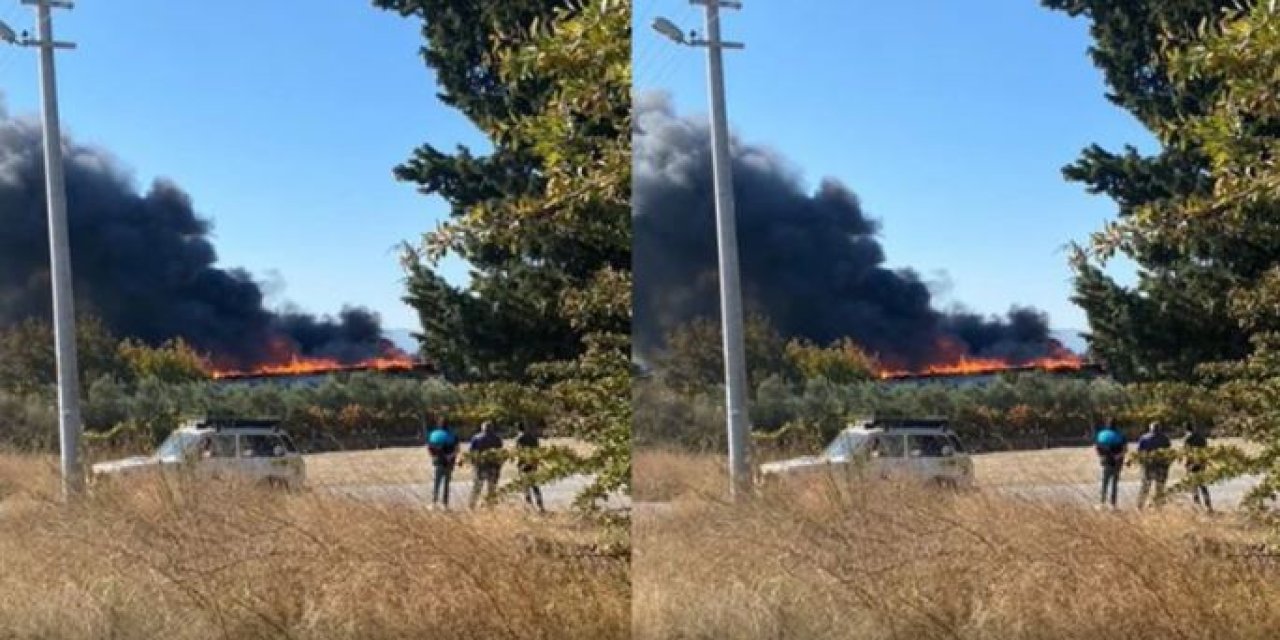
{"x": 153, "y": 559}
{"x": 831, "y": 559}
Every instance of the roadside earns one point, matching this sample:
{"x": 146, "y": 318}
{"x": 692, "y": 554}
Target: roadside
{"x": 1060, "y": 466}
{"x": 402, "y": 475}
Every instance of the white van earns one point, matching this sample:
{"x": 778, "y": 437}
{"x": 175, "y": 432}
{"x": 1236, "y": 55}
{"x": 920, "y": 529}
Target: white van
{"x": 256, "y": 450}
{"x": 924, "y": 448}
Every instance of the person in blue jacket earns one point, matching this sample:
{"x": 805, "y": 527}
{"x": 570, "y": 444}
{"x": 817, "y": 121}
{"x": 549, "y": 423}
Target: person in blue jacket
{"x": 442, "y": 445}
{"x": 1111, "y": 447}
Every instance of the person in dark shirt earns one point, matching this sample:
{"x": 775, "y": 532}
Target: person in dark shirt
{"x": 1111, "y": 447}
{"x": 1194, "y": 447}
{"x": 1153, "y": 447}
{"x": 442, "y": 446}
{"x": 527, "y": 443}
{"x": 486, "y": 457}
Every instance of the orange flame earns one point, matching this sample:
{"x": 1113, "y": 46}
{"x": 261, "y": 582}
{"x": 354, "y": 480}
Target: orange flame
{"x": 1058, "y": 361}
{"x": 300, "y": 365}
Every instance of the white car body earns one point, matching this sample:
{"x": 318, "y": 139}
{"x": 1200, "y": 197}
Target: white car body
{"x": 256, "y": 452}
{"x": 924, "y": 449}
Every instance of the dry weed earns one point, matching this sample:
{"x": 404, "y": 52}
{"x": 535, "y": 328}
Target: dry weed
{"x": 837, "y": 558}
{"x": 169, "y": 558}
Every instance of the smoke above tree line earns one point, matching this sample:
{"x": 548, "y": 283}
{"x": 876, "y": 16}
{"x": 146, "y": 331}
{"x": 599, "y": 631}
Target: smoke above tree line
{"x": 810, "y": 262}
{"x": 143, "y": 262}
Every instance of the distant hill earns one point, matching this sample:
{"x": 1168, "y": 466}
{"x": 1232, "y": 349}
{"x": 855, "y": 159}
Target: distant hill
{"x": 1071, "y": 339}
{"x": 402, "y": 338}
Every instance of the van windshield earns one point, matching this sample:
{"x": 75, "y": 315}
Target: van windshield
{"x": 845, "y": 445}
{"x": 178, "y": 443}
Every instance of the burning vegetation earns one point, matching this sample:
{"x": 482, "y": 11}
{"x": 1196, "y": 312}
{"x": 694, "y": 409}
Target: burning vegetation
{"x": 300, "y": 366}
{"x": 1059, "y": 360}
{"x": 144, "y": 264}
{"x": 811, "y": 262}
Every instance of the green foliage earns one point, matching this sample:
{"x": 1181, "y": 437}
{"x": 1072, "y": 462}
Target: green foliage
{"x": 591, "y": 397}
{"x": 173, "y": 361}
{"x": 582, "y": 138}
{"x": 1020, "y": 411}
{"x": 28, "y": 422}
{"x": 28, "y": 361}
{"x": 503, "y": 403}
{"x": 347, "y": 411}
{"x": 544, "y": 221}
{"x": 1177, "y": 314}
{"x": 508, "y": 316}
{"x": 842, "y": 362}
{"x": 1239, "y": 134}
{"x": 693, "y": 359}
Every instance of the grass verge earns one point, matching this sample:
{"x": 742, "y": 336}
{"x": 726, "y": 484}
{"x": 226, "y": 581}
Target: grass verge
{"x": 169, "y": 558}
{"x": 834, "y": 558}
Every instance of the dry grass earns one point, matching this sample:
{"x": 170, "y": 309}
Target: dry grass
{"x": 172, "y": 559}
{"x": 835, "y": 559}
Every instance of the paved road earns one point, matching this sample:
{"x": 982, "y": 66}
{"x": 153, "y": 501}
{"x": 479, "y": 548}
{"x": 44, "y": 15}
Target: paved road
{"x": 1225, "y": 495}
{"x": 557, "y": 496}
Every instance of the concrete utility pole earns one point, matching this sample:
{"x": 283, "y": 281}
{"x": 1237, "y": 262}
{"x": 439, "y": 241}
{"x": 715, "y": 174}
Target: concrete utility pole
{"x": 64, "y": 316}
{"x": 727, "y": 241}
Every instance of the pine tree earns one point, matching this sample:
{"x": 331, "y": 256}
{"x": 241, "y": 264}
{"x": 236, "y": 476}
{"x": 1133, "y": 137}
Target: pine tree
{"x": 1177, "y": 315}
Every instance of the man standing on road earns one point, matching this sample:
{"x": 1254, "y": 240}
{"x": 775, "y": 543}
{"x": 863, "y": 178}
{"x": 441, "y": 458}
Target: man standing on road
{"x": 527, "y": 445}
{"x": 1153, "y": 453}
{"x": 1194, "y": 446}
{"x": 1111, "y": 446}
{"x": 486, "y": 457}
{"x": 442, "y": 444}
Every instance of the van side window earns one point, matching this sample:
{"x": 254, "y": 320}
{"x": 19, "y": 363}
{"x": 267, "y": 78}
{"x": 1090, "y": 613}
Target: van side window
{"x": 221, "y": 446}
{"x": 260, "y": 446}
{"x": 927, "y": 445}
{"x": 889, "y": 446}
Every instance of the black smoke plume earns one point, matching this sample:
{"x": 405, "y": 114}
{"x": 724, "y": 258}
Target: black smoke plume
{"x": 811, "y": 263}
{"x": 144, "y": 264}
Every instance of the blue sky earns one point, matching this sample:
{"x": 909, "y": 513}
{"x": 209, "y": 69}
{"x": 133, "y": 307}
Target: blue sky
{"x": 951, "y": 121}
{"x": 282, "y": 119}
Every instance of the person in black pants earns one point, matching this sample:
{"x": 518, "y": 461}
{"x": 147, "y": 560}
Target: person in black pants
{"x": 442, "y": 445}
{"x": 1111, "y": 448}
{"x": 486, "y": 457}
{"x": 1152, "y": 448}
{"x": 526, "y": 444}
{"x": 1195, "y": 445}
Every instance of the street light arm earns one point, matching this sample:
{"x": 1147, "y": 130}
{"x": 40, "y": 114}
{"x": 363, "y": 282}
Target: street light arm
{"x": 723, "y": 4}
{"x": 56, "y": 4}
{"x": 719, "y": 45}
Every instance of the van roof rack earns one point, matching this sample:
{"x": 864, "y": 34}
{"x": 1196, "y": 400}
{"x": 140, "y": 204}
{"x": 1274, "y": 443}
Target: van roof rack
{"x": 887, "y": 422}
{"x": 237, "y": 423}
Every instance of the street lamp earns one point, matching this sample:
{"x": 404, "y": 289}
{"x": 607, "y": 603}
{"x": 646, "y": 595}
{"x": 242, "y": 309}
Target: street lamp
{"x": 64, "y": 317}
{"x": 727, "y": 240}
{"x": 669, "y": 29}
{"x": 7, "y": 35}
